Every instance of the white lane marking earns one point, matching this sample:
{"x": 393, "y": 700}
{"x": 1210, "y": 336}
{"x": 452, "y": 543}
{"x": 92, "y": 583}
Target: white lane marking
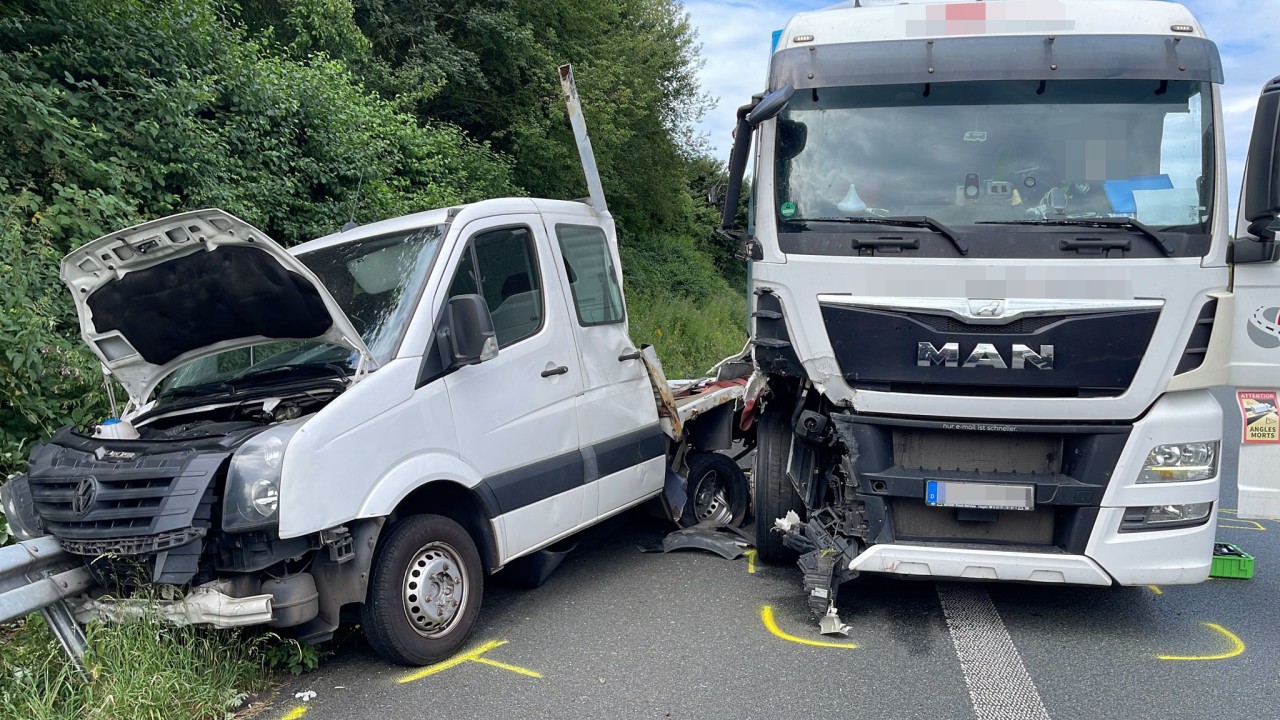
{"x": 999, "y": 685}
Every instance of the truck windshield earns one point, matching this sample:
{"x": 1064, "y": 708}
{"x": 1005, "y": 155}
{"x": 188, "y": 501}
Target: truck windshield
{"x": 1017, "y": 152}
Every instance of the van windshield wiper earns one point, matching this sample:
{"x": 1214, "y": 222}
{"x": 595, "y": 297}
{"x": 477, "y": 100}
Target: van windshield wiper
{"x": 197, "y": 390}
{"x": 913, "y": 221}
{"x": 1109, "y": 223}
{"x": 320, "y": 368}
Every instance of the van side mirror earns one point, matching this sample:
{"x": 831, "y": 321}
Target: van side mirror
{"x": 465, "y": 335}
{"x": 1261, "y": 203}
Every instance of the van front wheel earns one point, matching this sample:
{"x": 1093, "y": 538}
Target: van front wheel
{"x": 424, "y": 592}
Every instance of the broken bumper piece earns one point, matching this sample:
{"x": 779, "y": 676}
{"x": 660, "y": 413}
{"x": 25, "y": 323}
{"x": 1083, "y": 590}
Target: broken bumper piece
{"x": 206, "y": 604}
{"x": 920, "y": 560}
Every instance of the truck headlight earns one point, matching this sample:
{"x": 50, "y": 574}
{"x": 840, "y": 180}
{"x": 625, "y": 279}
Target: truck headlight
{"x": 1181, "y": 462}
{"x": 252, "y": 499}
{"x": 1165, "y": 517}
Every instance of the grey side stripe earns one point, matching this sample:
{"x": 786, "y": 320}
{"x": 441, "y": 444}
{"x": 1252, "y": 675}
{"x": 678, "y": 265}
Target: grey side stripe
{"x": 999, "y": 685}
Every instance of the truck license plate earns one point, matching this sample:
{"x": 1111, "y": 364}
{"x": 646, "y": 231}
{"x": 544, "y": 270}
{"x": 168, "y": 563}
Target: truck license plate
{"x": 941, "y": 493}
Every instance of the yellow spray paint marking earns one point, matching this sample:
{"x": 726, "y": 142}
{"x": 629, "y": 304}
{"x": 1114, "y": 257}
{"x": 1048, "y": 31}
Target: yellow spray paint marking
{"x": 1155, "y": 589}
{"x": 751, "y": 560}
{"x": 1237, "y": 647}
{"x": 295, "y": 713}
{"x": 766, "y": 616}
{"x": 470, "y": 656}
{"x": 1235, "y": 523}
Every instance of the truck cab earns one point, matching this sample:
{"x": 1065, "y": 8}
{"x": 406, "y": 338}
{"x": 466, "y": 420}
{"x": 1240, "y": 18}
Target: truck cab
{"x": 374, "y": 420}
{"x": 994, "y": 279}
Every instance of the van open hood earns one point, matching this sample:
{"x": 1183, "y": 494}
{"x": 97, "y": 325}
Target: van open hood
{"x": 161, "y": 294}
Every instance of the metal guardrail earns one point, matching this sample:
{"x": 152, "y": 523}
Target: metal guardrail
{"x": 37, "y": 575}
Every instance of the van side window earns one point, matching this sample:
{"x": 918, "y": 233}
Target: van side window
{"x": 501, "y": 266}
{"x": 596, "y": 294}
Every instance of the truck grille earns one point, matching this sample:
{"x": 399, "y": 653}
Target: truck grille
{"x": 977, "y": 452}
{"x": 1094, "y": 354}
{"x": 913, "y": 520}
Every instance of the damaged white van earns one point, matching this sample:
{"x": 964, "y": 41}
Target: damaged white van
{"x": 371, "y": 422}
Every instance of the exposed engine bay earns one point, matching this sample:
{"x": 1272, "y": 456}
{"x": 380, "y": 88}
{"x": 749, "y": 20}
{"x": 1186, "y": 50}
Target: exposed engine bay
{"x": 147, "y": 509}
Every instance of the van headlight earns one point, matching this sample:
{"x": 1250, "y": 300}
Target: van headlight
{"x": 252, "y": 499}
{"x": 1181, "y": 462}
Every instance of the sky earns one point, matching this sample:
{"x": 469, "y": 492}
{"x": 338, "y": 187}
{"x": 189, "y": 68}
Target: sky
{"x": 735, "y": 36}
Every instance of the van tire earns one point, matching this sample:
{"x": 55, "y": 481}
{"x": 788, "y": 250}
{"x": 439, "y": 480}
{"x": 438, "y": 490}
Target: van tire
{"x": 437, "y": 556}
{"x": 774, "y": 495}
{"x": 720, "y": 485}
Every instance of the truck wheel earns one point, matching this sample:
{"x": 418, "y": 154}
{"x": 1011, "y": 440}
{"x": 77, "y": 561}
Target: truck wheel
{"x": 774, "y": 494}
{"x": 717, "y": 491}
{"x": 424, "y": 592}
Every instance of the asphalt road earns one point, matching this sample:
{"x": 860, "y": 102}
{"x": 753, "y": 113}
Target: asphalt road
{"x": 621, "y": 634}
{"x": 617, "y": 633}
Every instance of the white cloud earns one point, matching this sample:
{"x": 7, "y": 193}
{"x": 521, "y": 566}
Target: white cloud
{"x": 736, "y": 34}
{"x": 735, "y": 37}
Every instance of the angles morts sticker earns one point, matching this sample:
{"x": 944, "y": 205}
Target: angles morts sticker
{"x": 1259, "y": 413}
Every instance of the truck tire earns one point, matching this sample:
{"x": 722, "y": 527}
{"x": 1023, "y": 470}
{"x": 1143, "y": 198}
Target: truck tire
{"x": 424, "y": 591}
{"x": 774, "y": 494}
{"x": 717, "y": 491}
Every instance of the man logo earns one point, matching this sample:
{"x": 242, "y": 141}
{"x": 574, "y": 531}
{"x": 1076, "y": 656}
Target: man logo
{"x": 1264, "y": 327}
{"x": 984, "y": 355}
{"x": 986, "y": 308}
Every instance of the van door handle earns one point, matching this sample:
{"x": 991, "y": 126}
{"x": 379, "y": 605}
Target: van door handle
{"x": 633, "y": 355}
{"x": 558, "y": 370}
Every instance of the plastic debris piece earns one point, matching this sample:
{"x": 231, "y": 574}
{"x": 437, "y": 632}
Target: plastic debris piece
{"x": 830, "y": 624}
{"x": 788, "y": 521}
{"x": 305, "y": 695}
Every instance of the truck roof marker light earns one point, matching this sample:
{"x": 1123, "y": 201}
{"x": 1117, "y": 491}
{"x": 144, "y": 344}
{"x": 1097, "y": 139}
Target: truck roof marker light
{"x": 802, "y": 39}
{"x": 1182, "y": 28}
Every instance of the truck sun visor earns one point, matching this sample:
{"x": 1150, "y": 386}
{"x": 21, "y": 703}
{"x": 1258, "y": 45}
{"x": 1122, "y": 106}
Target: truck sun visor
{"x": 208, "y": 297}
{"x": 1021, "y": 57}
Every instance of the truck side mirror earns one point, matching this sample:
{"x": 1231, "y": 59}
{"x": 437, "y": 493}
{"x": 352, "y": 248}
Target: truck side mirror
{"x": 465, "y": 335}
{"x": 749, "y": 116}
{"x": 1261, "y": 203}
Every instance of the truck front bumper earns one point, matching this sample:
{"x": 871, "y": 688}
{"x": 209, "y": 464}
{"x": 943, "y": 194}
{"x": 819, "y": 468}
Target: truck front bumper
{"x": 1110, "y": 556}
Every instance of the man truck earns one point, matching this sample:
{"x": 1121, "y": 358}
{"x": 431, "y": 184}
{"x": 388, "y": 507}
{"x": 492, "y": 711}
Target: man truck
{"x": 993, "y": 281}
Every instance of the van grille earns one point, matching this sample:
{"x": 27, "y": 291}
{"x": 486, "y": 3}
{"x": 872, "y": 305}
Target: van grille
{"x": 79, "y": 496}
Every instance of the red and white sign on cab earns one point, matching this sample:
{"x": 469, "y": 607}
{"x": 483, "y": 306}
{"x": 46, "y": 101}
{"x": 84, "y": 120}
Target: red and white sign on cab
{"x": 1261, "y": 419}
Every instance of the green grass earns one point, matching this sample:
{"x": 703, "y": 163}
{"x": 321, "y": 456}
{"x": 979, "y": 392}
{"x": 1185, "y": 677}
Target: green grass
{"x": 143, "y": 670}
{"x": 690, "y": 335}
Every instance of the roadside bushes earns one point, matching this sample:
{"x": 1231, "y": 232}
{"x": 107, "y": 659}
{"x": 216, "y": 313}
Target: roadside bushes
{"x": 113, "y": 112}
{"x": 162, "y": 107}
{"x": 47, "y": 378}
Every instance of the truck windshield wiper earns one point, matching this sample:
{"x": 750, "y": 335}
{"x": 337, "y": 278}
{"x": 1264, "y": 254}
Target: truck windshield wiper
{"x": 913, "y": 221}
{"x": 1118, "y": 223}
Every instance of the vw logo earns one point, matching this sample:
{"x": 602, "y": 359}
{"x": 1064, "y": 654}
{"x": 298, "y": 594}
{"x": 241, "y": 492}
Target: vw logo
{"x": 86, "y": 495}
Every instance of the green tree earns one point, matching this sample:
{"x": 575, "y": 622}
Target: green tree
{"x": 117, "y": 111}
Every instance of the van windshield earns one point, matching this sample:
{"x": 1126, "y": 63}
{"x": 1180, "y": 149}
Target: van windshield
{"x": 377, "y": 281}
